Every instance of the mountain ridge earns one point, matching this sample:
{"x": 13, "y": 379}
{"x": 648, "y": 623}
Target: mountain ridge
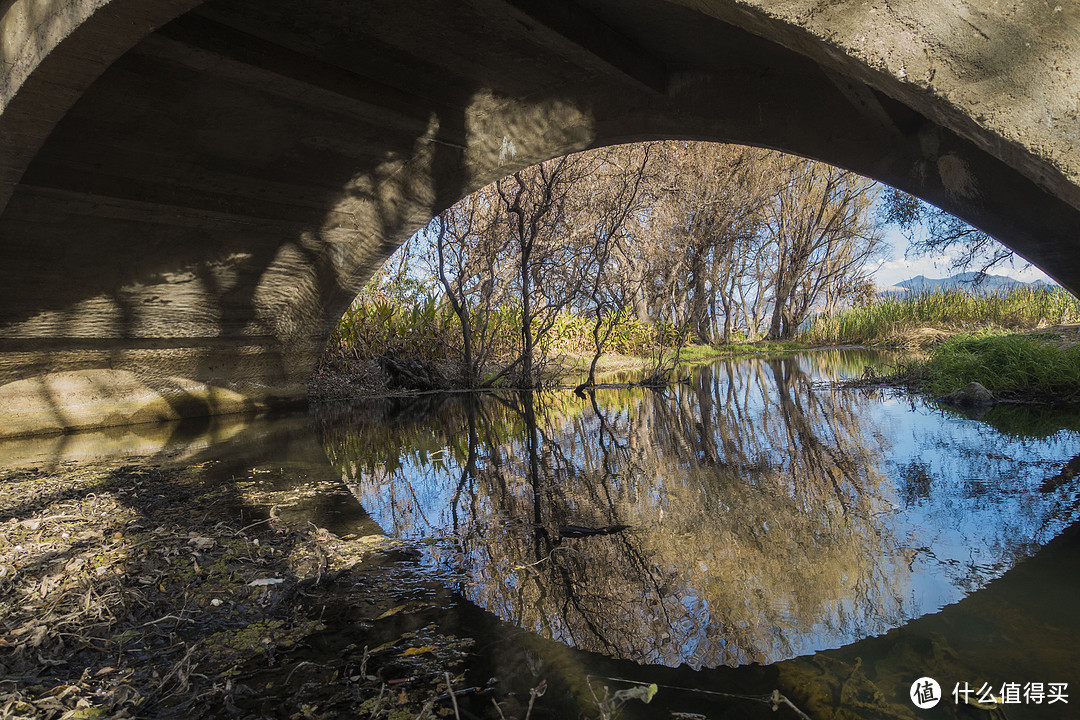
{"x": 966, "y": 281}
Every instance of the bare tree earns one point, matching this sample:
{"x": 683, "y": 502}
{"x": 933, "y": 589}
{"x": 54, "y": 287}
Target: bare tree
{"x": 468, "y": 255}
{"x": 535, "y": 202}
{"x": 822, "y": 227}
{"x": 612, "y": 194}
{"x": 708, "y": 238}
{"x": 931, "y": 230}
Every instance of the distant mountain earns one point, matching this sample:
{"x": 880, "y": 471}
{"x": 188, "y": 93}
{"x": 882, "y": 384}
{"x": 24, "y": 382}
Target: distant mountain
{"x": 966, "y": 281}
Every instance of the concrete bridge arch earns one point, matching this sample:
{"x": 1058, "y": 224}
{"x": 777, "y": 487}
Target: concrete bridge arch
{"x": 191, "y": 193}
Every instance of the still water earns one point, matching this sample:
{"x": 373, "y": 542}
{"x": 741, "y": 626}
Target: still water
{"x": 754, "y": 527}
{"x": 743, "y": 516}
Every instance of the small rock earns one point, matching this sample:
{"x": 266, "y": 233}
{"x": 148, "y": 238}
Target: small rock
{"x": 971, "y": 395}
{"x": 201, "y": 543}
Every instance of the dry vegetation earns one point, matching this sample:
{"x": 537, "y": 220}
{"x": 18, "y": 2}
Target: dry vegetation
{"x": 635, "y": 249}
{"x": 925, "y": 319}
{"x": 153, "y": 593}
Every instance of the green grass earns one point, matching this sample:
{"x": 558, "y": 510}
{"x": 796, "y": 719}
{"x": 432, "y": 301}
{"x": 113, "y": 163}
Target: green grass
{"x": 897, "y": 321}
{"x": 759, "y": 346}
{"x": 1006, "y": 364}
{"x": 692, "y": 354}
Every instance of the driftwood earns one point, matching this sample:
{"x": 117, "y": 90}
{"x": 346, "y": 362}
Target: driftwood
{"x": 576, "y": 531}
{"x": 411, "y": 373}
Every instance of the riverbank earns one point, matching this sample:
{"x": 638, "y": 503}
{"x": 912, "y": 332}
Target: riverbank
{"x": 1014, "y": 367}
{"x": 368, "y": 378}
{"x": 363, "y": 626}
{"x": 918, "y": 321}
{"x": 159, "y": 591}
{"x": 1036, "y": 367}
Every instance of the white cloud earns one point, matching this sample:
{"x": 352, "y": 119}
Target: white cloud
{"x": 897, "y": 268}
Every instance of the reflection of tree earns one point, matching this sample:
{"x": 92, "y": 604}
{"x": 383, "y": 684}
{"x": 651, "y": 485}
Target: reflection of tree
{"x": 752, "y": 536}
{"x": 915, "y": 482}
{"x": 755, "y": 515}
{"x": 763, "y": 518}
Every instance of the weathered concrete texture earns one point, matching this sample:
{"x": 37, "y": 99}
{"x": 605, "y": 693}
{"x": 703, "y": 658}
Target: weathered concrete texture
{"x": 1004, "y": 74}
{"x": 188, "y": 206}
{"x": 50, "y": 51}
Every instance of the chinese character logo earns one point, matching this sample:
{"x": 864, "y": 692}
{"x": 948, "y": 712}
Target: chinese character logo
{"x": 925, "y": 693}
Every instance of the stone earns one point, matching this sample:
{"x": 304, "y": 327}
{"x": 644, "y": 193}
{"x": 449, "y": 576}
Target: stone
{"x": 971, "y": 395}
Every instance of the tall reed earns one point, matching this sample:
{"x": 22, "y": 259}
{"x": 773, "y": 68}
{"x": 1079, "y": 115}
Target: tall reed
{"x": 427, "y": 328}
{"x": 899, "y": 321}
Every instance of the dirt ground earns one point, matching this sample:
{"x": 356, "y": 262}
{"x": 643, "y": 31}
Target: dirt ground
{"x": 1064, "y": 336}
{"x": 364, "y": 378}
{"x": 153, "y": 592}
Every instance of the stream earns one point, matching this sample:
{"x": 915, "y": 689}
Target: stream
{"x": 755, "y": 528}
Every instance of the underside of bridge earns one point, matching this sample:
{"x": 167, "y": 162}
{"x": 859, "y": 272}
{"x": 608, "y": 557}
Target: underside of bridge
{"x": 191, "y": 193}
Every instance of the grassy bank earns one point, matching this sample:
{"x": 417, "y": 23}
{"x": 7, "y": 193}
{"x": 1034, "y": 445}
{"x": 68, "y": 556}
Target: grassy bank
{"x": 926, "y": 319}
{"x": 1012, "y": 366}
{"x": 619, "y": 368}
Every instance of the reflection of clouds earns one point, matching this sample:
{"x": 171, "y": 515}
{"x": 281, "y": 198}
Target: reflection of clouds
{"x": 984, "y": 510}
{"x": 768, "y": 520}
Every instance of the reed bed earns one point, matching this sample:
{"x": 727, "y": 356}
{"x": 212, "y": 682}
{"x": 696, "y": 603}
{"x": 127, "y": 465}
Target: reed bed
{"x": 428, "y": 329}
{"x": 923, "y": 319}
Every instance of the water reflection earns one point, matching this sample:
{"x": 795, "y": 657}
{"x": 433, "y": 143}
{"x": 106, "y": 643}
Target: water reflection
{"x": 747, "y": 515}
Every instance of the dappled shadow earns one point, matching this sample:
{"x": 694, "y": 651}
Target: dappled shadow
{"x": 523, "y": 505}
{"x": 196, "y": 280}
{"x": 206, "y": 210}
{"x": 127, "y": 588}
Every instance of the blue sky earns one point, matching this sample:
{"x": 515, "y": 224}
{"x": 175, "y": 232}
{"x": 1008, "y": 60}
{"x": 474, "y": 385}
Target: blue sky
{"x": 895, "y": 267}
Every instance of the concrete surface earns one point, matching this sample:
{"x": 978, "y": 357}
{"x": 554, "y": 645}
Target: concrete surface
{"x": 191, "y": 193}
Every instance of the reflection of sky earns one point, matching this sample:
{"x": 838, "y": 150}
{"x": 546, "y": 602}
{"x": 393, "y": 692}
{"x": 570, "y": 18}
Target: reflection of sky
{"x": 960, "y": 504}
{"x": 984, "y": 510}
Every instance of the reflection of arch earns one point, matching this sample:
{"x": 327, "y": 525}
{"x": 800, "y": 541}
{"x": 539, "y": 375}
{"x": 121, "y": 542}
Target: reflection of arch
{"x": 199, "y": 215}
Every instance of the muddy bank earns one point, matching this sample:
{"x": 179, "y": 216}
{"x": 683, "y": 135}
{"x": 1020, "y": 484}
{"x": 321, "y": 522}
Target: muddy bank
{"x": 368, "y": 379}
{"x": 337, "y": 379}
{"x": 162, "y": 592}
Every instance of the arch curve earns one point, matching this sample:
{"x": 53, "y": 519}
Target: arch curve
{"x": 192, "y": 213}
